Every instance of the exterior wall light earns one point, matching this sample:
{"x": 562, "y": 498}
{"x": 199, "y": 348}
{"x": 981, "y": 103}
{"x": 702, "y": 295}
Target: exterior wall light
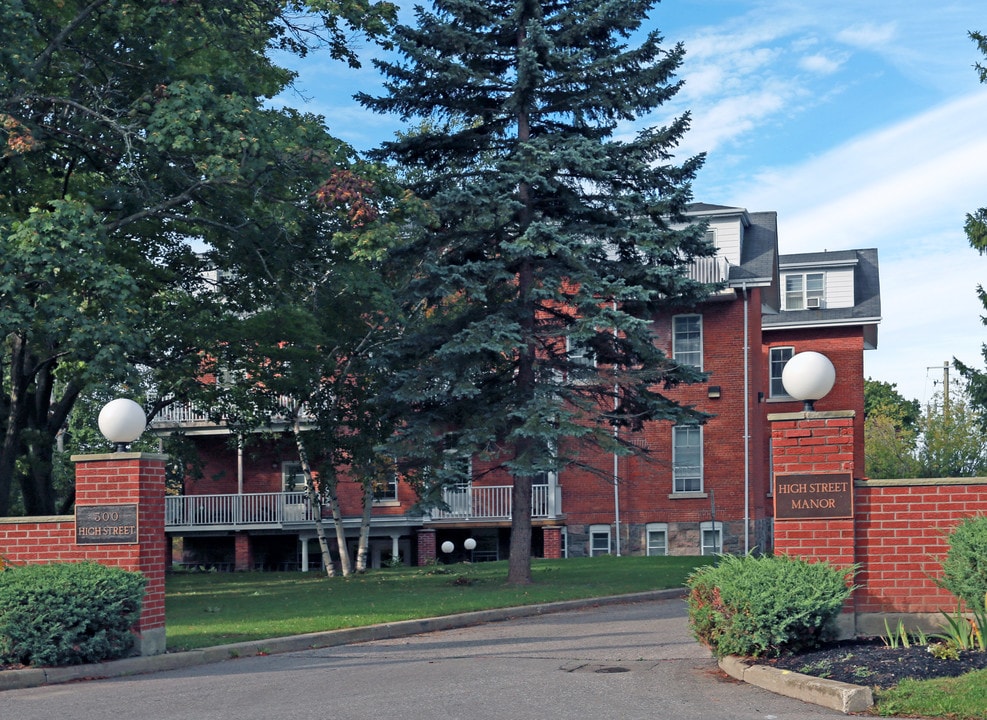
{"x": 713, "y": 392}
{"x": 122, "y": 421}
{"x": 808, "y": 376}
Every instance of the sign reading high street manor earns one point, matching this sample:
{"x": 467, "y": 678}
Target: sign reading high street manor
{"x": 105, "y": 524}
{"x": 813, "y": 497}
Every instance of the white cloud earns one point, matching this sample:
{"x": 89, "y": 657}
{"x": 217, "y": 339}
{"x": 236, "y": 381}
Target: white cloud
{"x": 920, "y": 175}
{"x": 868, "y": 35}
{"x": 821, "y": 64}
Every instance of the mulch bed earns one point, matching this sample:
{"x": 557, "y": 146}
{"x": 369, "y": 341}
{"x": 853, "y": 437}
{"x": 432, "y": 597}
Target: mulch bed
{"x": 871, "y": 662}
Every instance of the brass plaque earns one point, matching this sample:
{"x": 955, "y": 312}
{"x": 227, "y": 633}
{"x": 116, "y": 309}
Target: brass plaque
{"x": 813, "y": 497}
{"x": 106, "y": 524}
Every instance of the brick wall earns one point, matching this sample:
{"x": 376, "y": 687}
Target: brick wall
{"x": 898, "y": 531}
{"x": 113, "y": 479}
{"x": 901, "y": 528}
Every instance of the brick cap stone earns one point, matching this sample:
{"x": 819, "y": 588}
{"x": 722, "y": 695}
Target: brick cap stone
{"x": 107, "y": 457}
{"x": 919, "y": 482}
{"x": 812, "y": 415}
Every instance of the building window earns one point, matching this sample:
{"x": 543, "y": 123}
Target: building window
{"x": 564, "y": 541}
{"x": 804, "y": 290}
{"x": 579, "y": 353}
{"x": 687, "y": 340}
{"x": 292, "y": 477}
{"x": 656, "y": 537}
{"x": 599, "y": 540}
{"x": 779, "y": 358}
{"x": 386, "y": 490}
{"x": 712, "y": 538}
{"x": 687, "y": 459}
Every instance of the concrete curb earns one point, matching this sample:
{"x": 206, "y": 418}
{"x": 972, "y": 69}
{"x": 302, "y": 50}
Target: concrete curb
{"x": 35, "y": 677}
{"x": 840, "y": 696}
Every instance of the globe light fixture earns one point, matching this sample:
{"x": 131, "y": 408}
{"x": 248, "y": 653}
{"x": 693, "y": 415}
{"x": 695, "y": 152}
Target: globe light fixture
{"x": 470, "y": 544}
{"x": 122, "y": 421}
{"x": 808, "y": 376}
{"x": 447, "y": 547}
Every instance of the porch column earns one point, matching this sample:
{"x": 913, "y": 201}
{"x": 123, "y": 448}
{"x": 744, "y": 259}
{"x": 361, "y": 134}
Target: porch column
{"x": 395, "y": 547}
{"x": 426, "y": 546}
{"x": 243, "y": 552}
{"x": 552, "y": 542}
{"x": 304, "y": 542}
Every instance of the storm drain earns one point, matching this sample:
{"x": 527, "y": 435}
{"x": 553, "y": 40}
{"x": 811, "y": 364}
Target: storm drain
{"x": 608, "y": 668}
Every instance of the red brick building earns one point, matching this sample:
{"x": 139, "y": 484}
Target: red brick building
{"x": 702, "y": 489}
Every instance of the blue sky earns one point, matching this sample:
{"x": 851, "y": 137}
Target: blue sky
{"x": 861, "y": 122}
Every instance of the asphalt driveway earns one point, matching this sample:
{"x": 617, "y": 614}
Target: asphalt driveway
{"x": 624, "y": 661}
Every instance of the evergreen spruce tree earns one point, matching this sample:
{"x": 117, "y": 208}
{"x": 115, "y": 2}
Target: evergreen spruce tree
{"x": 555, "y": 241}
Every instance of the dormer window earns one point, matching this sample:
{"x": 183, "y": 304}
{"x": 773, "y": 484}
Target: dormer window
{"x": 804, "y": 290}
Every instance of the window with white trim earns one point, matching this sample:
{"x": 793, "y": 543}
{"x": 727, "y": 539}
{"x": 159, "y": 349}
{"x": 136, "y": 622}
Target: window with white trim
{"x": 579, "y": 353}
{"x": 804, "y": 290}
{"x": 292, "y": 477}
{"x": 656, "y": 538}
{"x": 599, "y": 540}
{"x": 687, "y": 458}
{"x": 386, "y": 489}
{"x": 687, "y": 340}
{"x": 712, "y": 537}
{"x": 778, "y": 358}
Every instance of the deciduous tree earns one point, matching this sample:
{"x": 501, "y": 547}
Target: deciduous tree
{"x": 132, "y": 134}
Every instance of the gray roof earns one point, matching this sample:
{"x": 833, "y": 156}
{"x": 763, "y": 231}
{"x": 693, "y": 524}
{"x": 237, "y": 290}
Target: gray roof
{"x": 757, "y": 261}
{"x": 866, "y": 290}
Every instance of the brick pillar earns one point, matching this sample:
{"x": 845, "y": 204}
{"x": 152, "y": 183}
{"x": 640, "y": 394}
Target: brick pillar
{"x": 243, "y": 552}
{"x": 552, "y": 542}
{"x": 426, "y": 547}
{"x": 819, "y": 447}
{"x": 132, "y": 479}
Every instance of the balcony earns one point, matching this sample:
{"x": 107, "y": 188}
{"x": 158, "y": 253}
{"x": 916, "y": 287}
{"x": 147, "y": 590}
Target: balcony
{"x": 192, "y": 415}
{"x": 291, "y": 510}
{"x": 493, "y": 502}
{"x": 709, "y": 270}
{"x": 253, "y": 511}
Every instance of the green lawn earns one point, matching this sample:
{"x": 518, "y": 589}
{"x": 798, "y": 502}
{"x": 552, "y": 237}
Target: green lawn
{"x": 206, "y": 609}
{"x": 960, "y": 698}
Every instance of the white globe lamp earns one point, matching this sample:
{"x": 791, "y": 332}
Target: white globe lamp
{"x": 122, "y": 421}
{"x": 470, "y": 544}
{"x": 447, "y": 547}
{"x": 808, "y": 376}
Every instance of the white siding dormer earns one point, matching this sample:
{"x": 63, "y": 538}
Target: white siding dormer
{"x": 728, "y": 235}
{"x": 807, "y": 287}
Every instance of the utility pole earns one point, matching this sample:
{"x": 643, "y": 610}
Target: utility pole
{"x": 945, "y": 386}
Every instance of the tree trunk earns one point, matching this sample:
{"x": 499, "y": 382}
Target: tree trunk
{"x": 364, "y": 543}
{"x": 16, "y": 416}
{"x": 314, "y": 501}
{"x": 519, "y": 560}
{"x": 337, "y": 519}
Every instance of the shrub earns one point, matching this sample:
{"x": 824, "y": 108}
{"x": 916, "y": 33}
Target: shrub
{"x": 754, "y": 606}
{"x": 964, "y": 569}
{"x": 66, "y": 614}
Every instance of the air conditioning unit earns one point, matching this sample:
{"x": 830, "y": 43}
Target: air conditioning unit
{"x": 813, "y": 303}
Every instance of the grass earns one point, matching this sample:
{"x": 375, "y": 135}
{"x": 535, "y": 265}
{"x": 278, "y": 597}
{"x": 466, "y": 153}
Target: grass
{"x": 960, "y": 698}
{"x": 207, "y": 609}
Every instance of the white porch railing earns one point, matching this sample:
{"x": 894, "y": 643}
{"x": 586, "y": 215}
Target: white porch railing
{"x": 493, "y": 502}
{"x": 183, "y": 413}
{"x": 709, "y": 270}
{"x": 253, "y": 509}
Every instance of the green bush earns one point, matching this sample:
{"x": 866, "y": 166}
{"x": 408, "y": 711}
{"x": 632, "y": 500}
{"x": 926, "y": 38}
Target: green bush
{"x": 755, "y": 606}
{"x": 66, "y": 614}
{"x": 964, "y": 569}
